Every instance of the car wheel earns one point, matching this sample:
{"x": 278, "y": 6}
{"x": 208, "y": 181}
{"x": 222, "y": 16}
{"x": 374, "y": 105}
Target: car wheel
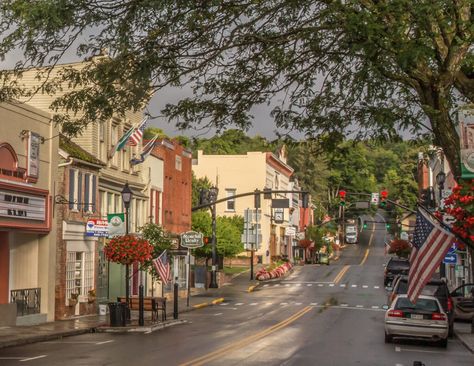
{"x": 388, "y": 338}
{"x": 443, "y": 343}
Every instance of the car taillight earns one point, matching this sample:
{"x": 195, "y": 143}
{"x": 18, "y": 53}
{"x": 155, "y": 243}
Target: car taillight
{"x": 395, "y": 313}
{"x": 450, "y": 304}
{"x": 438, "y": 316}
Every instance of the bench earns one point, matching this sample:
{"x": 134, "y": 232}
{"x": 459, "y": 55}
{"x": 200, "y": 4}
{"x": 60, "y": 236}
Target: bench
{"x": 152, "y": 304}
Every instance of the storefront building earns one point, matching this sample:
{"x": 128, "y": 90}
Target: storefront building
{"x": 28, "y": 161}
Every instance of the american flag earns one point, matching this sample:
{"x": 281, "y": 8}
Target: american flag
{"x": 430, "y": 244}
{"x": 138, "y": 133}
{"x": 162, "y": 267}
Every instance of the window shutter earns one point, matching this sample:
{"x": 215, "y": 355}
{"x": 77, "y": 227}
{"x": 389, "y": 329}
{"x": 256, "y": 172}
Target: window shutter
{"x": 87, "y": 185}
{"x": 71, "y": 188}
{"x": 94, "y": 189}
{"x": 79, "y": 190}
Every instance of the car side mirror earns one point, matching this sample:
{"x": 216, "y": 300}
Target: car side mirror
{"x": 389, "y": 288}
{"x": 385, "y": 307}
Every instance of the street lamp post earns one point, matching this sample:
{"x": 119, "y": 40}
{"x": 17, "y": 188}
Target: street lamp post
{"x": 127, "y": 198}
{"x": 440, "y": 179}
{"x": 213, "y": 191}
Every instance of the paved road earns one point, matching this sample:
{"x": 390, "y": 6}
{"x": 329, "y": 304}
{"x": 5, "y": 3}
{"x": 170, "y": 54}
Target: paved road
{"x": 324, "y": 315}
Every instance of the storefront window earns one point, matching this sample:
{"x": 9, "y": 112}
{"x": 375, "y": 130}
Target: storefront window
{"x": 79, "y": 273}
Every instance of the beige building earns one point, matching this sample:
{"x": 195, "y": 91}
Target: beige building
{"x": 99, "y": 141}
{"x": 237, "y": 174}
{"x": 28, "y": 164}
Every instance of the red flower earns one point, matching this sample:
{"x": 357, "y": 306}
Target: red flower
{"x": 128, "y": 249}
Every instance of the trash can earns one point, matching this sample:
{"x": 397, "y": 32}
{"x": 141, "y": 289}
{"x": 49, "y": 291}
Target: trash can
{"x": 118, "y": 314}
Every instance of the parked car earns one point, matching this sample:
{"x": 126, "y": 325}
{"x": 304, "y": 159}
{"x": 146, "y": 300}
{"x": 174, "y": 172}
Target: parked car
{"x": 434, "y": 287}
{"x": 395, "y": 266}
{"x": 424, "y": 320}
{"x": 323, "y": 258}
{"x": 463, "y": 301}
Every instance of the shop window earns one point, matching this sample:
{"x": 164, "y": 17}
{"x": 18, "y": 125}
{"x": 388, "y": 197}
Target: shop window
{"x": 79, "y": 273}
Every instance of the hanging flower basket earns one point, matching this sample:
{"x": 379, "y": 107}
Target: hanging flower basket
{"x": 128, "y": 249}
{"x": 460, "y": 205}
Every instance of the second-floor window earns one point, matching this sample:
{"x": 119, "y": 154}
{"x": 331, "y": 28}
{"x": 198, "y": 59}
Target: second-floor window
{"x": 90, "y": 189}
{"x": 231, "y": 202}
{"x": 75, "y": 189}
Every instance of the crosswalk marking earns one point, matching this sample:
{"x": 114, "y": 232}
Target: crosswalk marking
{"x": 283, "y": 303}
{"x": 375, "y": 307}
{"x": 309, "y": 284}
{"x": 314, "y": 304}
{"x": 354, "y": 286}
{"x": 331, "y": 285}
{"x": 224, "y": 303}
{"x": 359, "y": 306}
{"x": 342, "y": 285}
{"x": 320, "y": 285}
{"x": 254, "y": 303}
{"x": 364, "y": 286}
{"x": 376, "y": 286}
{"x": 239, "y": 303}
{"x": 344, "y": 304}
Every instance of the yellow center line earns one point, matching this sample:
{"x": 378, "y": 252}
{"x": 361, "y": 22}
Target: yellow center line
{"x": 341, "y": 273}
{"x": 236, "y": 345}
{"x": 370, "y": 243}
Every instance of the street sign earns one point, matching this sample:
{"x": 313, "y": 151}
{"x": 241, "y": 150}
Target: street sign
{"x": 250, "y": 238}
{"x": 450, "y": 258}
{"x": 290, "y": 231}
{"x": 280, "y": 203}
{"x": 256, "y": 216}
{"x": 191, "y": 239}
{"x": 374, "y": 199}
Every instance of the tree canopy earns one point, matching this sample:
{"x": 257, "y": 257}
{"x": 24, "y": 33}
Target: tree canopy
{"x": 358, "y": 67}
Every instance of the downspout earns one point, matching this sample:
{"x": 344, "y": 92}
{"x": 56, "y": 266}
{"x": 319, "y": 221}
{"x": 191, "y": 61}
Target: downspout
{"x": 68, "y": 162}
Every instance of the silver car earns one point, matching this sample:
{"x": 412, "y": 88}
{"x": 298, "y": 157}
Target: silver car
{"x": 424, "y": 320}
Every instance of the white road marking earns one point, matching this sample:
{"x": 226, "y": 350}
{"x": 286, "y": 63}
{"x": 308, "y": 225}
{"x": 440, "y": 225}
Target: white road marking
{"x": 309, "y": 284}
{"x": 298, "y": 303}
{"x": 104, "y": 342}
{"x": 266, "y": 285}
{"x": 224, "y": 303}
{"x": 314, "y": 304}
{"x": 269, "y": 303}
{"x": 344, "y": 304}
{"x": 354, "y": 286}
{"x": 239, "y": 303}
{"x": 217, "y": 314}
{"x": 376, "y": 287}
{"x": 298, "y": 285}
{"x": 276, "y": 285}
{"x": 365, "y": 286}
{"x": 397, "y": 349}
{"x": 343, "y": 285}
{"x": 11, "y": 358}
{"x": 253, "y": 303}
{"x": 359, "y": 306}
{"x": 283, "y": 303}
{"x": 331, "y": 285}
{"x": 32, "y": 358}
{"x": 287, "y": 285}
{"x": 5, "y": 327}
{"x": 320, "y": 285}
{"x": 399, "y": 364}
{"x": 375, "y": 307}
{"x": 423, "y": 351}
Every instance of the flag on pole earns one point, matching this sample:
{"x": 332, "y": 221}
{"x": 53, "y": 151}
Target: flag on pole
{"x": 137, "y": 134}
{"x": 121, "y": 143}
{"x": 162, "y": 267}
{"x": 431, "y": 242}
{"x": 147, "y": 149}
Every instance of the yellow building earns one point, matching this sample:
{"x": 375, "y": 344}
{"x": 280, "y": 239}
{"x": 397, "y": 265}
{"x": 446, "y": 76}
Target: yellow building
{"x": 28, "y": 164}
{"x": 237, "y": 174}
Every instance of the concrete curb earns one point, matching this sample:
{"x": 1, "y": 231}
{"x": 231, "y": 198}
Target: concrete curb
{"x": 138, "y": 329}
{"x": 463, "y": 341}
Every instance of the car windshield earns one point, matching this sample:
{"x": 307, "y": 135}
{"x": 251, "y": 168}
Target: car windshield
{"x": 429, "y": 305}
{"x": 398, "y": 264}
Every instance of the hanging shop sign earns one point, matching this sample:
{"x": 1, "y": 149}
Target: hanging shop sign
{"x": 97, "y": 228}
{"x": 191, "y": 239}
{"x": 116, "y": 224}
{"x": 34, "y": 141}
{"x": 22, "y": 206}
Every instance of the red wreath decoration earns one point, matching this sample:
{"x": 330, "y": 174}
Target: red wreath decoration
{"x": 460, "y": 205}
{"x": 127, "y": 249}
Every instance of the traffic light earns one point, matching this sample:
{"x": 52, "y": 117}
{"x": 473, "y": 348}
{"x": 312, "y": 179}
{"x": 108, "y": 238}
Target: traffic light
{"x": 387, "y": 225}
{"x": 202, "y": 196}
{"x": 383, "y": 198}
{"x": 342, "y": 198}
{"x": 304, "y": 200}
{"x": 206, "y": 240}
{"x": 256, "y": 199}
{"x": 365, "y": 225}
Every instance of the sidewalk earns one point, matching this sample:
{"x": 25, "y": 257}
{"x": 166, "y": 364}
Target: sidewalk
{"x": 462, "y": 331}
{"x": 15, "y": 336}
